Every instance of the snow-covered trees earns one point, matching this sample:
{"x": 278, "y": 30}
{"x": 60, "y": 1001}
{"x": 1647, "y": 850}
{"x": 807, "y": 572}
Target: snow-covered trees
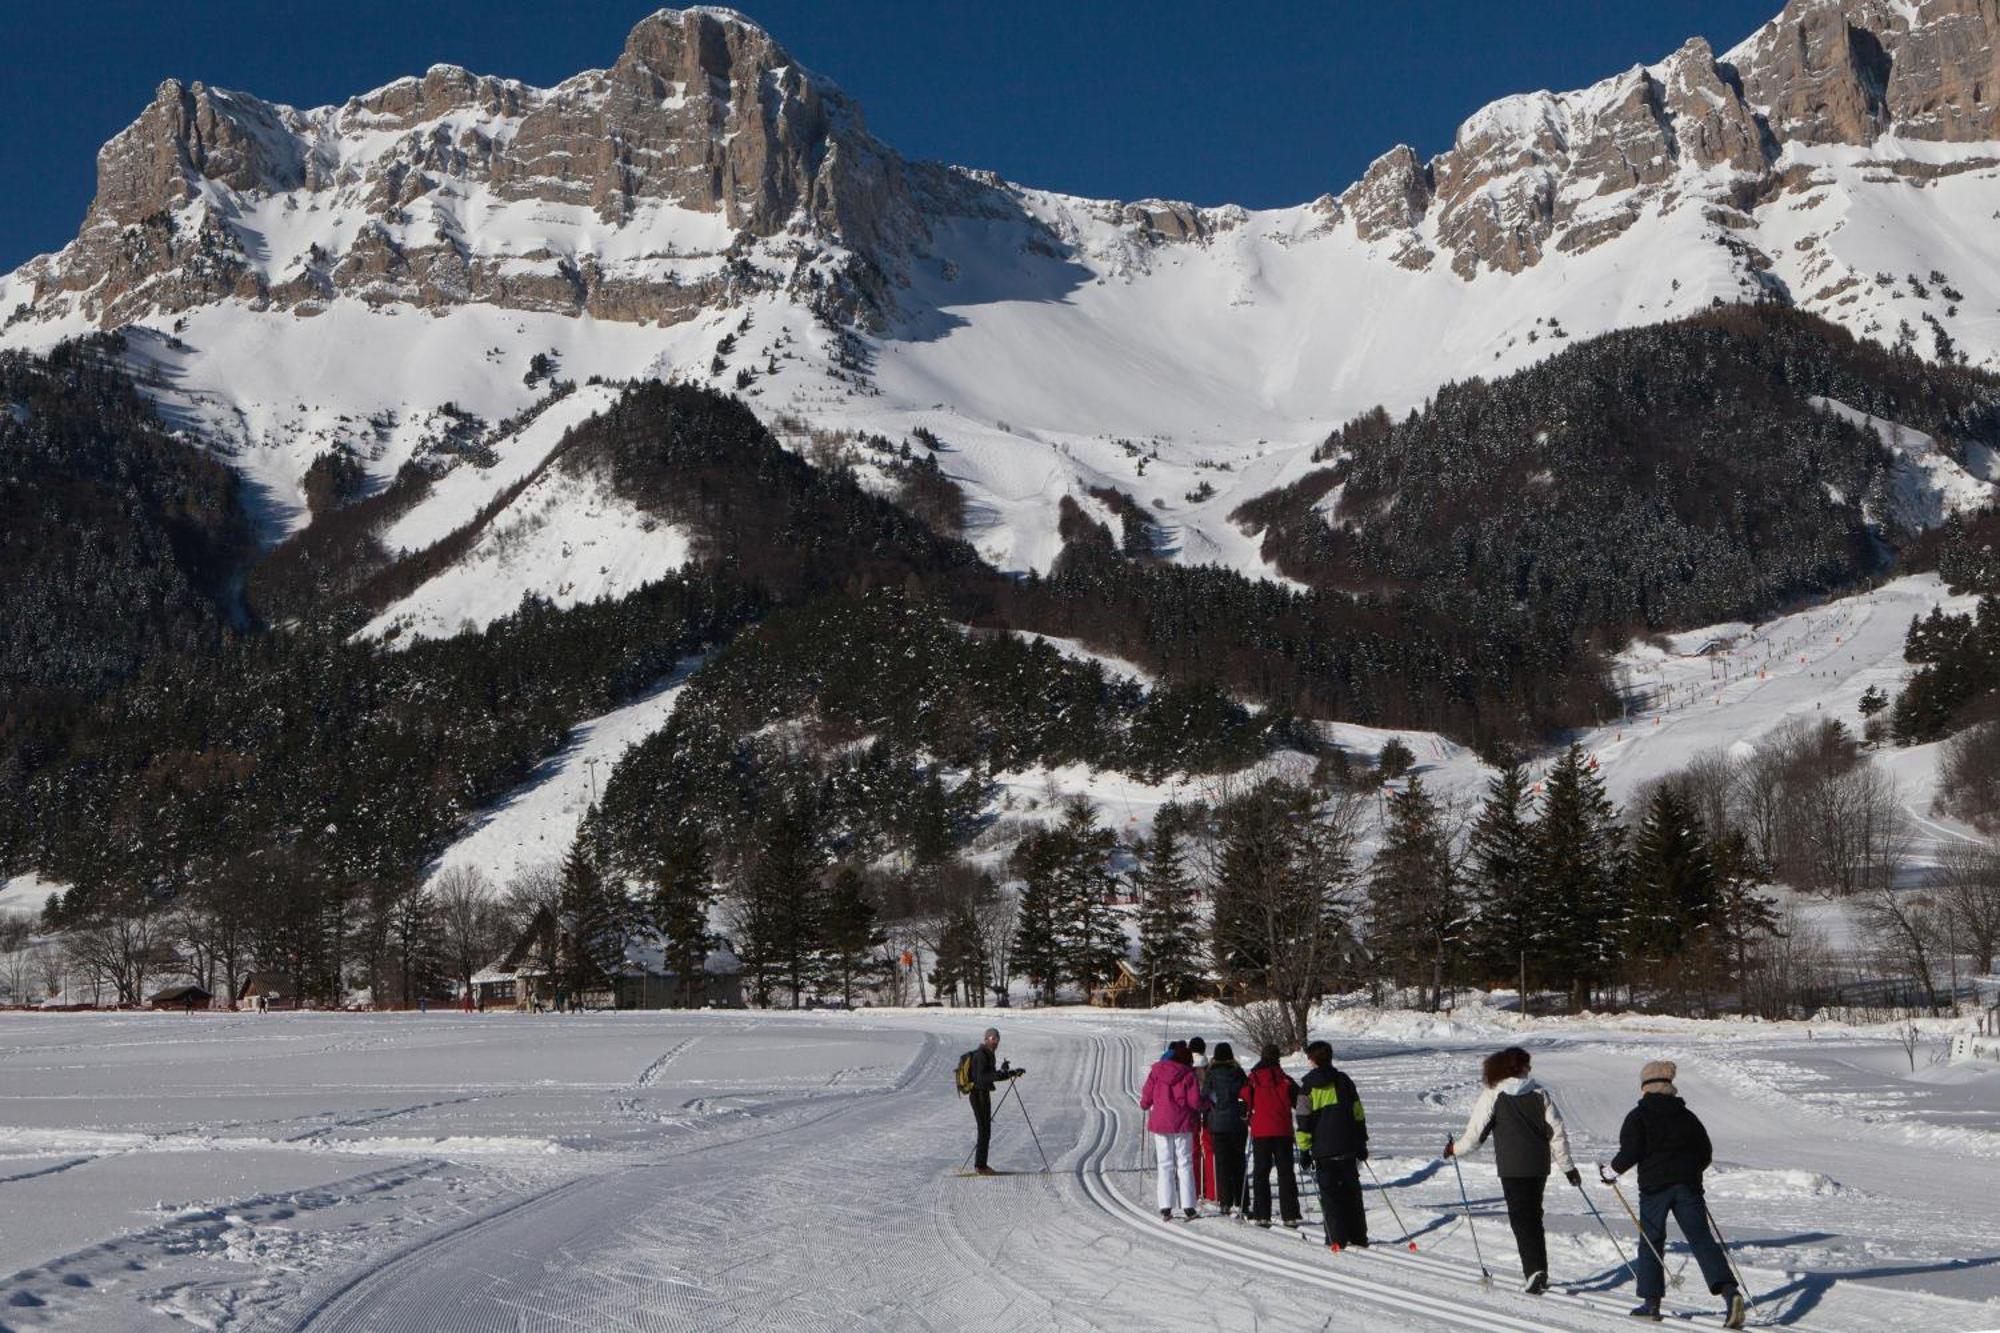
{"x": 1576, "y": 860}
{"x": 1066, "y": 930}
{"x": 1286, "y": 893}
{"x": 1170, "y": 945}
{"x": 1509, "y": 920}
{"x": 1416, "y": 904}
{"x": 592, "y": 926}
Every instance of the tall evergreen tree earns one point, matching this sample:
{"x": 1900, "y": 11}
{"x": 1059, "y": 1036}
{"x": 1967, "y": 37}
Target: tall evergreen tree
{"x": 1093, "y": 940}
{"x": 590, "y": 930}
{"x": 1577, "y": 851}
{"x": 781, "y": 909}
{"x": 1169, "y": 938}
{"x": 850, "y": 940}
{"x": 1038, "y": 951}
{"x": 1671, "y": 879}
{"x": 1745, "y": 916}
{"x": 1500, "y": 875}
{"x": 1416, "y": 914}
{"x": 683, "y": 892}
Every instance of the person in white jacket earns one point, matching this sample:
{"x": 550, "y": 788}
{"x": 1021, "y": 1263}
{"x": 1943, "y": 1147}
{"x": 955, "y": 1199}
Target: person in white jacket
{"x": 1528, "y": 1139}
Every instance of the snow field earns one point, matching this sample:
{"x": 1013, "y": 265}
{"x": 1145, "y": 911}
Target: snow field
{"x": 678, "y": 1171}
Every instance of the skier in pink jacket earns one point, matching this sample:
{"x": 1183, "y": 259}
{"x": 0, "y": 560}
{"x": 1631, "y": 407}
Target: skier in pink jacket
{"x": 1172, "y": 1101}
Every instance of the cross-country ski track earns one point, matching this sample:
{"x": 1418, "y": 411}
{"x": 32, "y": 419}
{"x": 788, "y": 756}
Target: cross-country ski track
{"x": 778, "y": 1171}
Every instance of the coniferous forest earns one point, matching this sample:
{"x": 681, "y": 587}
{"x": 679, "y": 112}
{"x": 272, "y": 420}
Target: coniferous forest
{"x": 192, "y": 728}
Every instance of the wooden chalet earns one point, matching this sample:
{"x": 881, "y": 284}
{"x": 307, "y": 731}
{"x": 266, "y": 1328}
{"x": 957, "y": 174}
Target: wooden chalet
{"x": 522, "y": 978}
{"x": 181, "y": 997}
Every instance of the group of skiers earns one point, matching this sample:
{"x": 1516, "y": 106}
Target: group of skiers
{"x": 1319, "y": 1122}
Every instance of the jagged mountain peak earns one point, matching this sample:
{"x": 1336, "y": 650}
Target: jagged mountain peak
{"x": 704, "y": 181}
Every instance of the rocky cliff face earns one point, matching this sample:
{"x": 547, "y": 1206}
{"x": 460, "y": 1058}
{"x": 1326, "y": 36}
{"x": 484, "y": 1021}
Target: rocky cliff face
{"x": 702, "y": 114}
{"x": 705, "y": 161}
{"x": 1568, "y": 171}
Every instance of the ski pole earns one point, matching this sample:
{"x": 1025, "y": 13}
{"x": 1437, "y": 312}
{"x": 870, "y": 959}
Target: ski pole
{"x": 1485, "y": 1275}
{"x": 1741, "y": 1285}
{"x": 1022, "y": 1102}
{"x": 994, "y": 1115}
{"x": 1408, "y": 1239}
{"x": 1608, "y": 1233}
{"x": 1673, "y": 1279}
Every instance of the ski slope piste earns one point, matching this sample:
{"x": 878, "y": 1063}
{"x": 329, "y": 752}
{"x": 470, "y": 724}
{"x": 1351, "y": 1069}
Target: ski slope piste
{"x": 802, "y": 1171}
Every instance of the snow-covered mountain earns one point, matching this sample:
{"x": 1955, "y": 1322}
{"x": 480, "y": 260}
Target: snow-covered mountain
{"x": 376, "y": 278}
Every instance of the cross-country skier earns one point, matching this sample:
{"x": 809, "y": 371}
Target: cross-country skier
{"x": 1332, "y": 1132}
{"x": 1528, "y": 1136}
{"x": 1670, "y": 1146}
{"x": 1204, "y": 1156}
{"x": 985, "y": 1077}
{"x": 1228, "y": 1129}
{"x": 1269, "y": 1092}
{"x": 1172, "y": 1100}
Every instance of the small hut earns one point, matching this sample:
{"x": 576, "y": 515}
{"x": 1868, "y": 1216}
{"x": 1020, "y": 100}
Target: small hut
{"x": 1123, "y": 991}
{"x": 181, "y": 997}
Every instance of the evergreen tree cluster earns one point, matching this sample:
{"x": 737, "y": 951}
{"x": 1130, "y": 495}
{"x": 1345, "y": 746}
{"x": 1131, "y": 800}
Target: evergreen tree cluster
{"x": 1957, "y": 681}
{"x": 1068, "y": 932}
{"x": 1547, "y": 886}
{"x": 117, "y": 541}
{"x": 1655, "y": 478}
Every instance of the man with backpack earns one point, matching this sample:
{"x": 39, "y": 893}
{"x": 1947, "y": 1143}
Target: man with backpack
{"x": 1333, "y": 1136}
{"x": 1669, "y": 1145}
{"x": 977, "y": 1077}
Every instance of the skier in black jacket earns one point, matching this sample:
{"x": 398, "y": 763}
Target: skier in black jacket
{"x": 1332, "y": 1131}
{"x": 1670, "y": 1146}
{"x": 986, "y": 1076}
{"x": 1228, "y": 1129}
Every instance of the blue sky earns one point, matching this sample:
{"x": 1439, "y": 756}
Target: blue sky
{"x": 1254, "y": 104}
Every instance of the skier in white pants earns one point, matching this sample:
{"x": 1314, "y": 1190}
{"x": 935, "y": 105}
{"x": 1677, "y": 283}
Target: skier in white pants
{"x": 1172, "y": 1100}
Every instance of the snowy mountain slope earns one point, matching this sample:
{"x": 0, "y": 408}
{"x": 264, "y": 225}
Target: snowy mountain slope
{"x": 332, "y": 278}
{"x": 566, "y": 539}
{"x": 535, "y": 823}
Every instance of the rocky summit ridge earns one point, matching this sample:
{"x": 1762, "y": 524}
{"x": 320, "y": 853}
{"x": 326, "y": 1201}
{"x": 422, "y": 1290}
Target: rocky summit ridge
{"x": 705, "y": 141}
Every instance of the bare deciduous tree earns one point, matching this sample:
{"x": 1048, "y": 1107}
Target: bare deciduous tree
{"x": 468, "y": 922}
{"x": 1969, "y": 777}
{"x": 1966, "y": 884}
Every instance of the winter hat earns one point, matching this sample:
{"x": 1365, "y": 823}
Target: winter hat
{"x": 1658, "y": 1074}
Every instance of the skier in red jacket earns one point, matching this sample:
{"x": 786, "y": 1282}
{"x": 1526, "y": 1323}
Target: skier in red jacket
{"x": 1268, "y": 1094}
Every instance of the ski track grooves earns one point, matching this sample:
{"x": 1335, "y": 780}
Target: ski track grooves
{"x": 1090, "y": 1173}
{"x": 351, "y": 1301}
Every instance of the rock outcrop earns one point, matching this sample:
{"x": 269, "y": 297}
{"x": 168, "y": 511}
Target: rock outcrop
{"x": 1533, "y": 172}
{"x": 702, "y": 113}
{"x": 705, "y": 162}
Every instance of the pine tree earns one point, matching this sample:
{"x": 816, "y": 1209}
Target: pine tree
{"x": 1744, "y": 914}
{"x": 1415, "y": 907}
{"x": 1093, "y": 941}
{"x": 1168, "y": 938}
{"x": 682, "y": 895}
{"x": 780, "y": 913}
{"x": 1671, "y": 880}
{"x": 1577, "y": 850}
{"x": 590, "y": 931}
{"x": 1038, "y": 952}
{"x": 849, "y": 937}
{"x": 960, "y": 971}
{"x": 1501, "y": 878}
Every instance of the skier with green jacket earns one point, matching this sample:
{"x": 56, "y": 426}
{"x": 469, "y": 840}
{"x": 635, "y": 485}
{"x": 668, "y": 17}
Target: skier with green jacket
{"x": 1332, "y": 1135}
